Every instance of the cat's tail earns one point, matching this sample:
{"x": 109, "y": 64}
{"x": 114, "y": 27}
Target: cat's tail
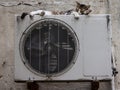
{"x": 24, "y": 14}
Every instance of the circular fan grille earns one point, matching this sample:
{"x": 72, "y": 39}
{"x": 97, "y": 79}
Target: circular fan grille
{"x": 49, "y": 46}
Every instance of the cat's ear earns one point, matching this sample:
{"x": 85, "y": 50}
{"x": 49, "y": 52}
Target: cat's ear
{"x": 88, "y": 6}
{"x": 77, "y": 6}
{"x": 77, "y": 3}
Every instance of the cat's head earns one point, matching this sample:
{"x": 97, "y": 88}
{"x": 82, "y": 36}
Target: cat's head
{"x": 81, "y": 7}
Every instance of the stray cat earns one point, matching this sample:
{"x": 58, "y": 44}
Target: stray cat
{"x": 44, "y": 12}
{"x": 80, "y": 9}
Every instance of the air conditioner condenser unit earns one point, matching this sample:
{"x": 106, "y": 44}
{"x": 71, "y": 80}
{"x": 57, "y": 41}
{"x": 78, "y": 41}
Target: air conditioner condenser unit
{"x": 61, "y": 48}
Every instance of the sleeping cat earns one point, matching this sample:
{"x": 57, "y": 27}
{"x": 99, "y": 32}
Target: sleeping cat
{"x": 44, "y": 12}
{"x": 80, "y": 9}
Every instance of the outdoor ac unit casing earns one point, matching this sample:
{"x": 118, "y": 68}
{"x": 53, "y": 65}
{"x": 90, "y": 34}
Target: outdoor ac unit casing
{"x": 93, "y": 60}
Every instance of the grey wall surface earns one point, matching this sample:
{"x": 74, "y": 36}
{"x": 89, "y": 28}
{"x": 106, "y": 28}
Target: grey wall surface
{"x": 7, "y": 24}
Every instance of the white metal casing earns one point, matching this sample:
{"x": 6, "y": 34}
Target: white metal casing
{"x": 94, "y": 57}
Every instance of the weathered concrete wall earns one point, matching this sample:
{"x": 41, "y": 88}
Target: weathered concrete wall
{"x": 7, "y": 24}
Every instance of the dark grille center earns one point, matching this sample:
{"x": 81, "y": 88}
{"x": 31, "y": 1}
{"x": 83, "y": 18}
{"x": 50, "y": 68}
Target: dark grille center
{"x": 49, "y": 46}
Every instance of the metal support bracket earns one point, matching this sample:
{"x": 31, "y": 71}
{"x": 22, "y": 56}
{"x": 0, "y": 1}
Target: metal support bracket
{"x": 32, "y": 86}
{"x": 95, "y": 85}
